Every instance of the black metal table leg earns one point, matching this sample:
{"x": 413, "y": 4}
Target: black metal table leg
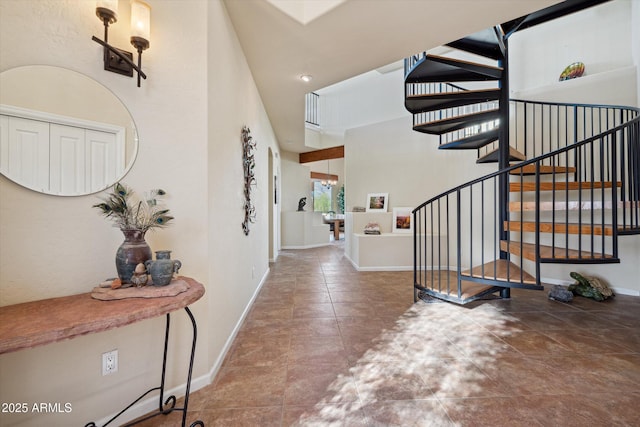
{"x": 167, "y": 406}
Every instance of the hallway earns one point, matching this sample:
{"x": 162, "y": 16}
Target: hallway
{"x": 325, "y": 345}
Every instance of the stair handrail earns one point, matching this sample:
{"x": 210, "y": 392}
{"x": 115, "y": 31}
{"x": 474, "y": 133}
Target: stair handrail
{"x": 628, "y": 179}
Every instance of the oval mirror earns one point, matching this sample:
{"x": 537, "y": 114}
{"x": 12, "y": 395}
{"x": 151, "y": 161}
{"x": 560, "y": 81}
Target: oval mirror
{"x": 63, "y": 133}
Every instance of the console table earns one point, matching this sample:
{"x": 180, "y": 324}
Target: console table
{"x": 47, "y": 321}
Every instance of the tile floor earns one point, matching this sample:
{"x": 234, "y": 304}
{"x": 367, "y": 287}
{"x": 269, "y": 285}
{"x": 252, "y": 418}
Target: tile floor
{"x": 325, "y": 345}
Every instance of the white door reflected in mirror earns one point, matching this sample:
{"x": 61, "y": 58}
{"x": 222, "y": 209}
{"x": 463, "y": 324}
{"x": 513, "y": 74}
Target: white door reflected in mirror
{"x": 62, "y": 133}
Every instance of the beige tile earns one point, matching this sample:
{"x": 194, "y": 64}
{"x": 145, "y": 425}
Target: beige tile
{"x": 534, "y": 343}
{"x": 493, "y": 411}
{"x": 576, "y": 411}
{"x": 319, "y": 384}
{"x": 325, "y": 345}
{"x": 404, "y": 413}
{"x": 315, "y": 327}
{"x": 378, "y": 381}
{"x": 242, "y": 417}
{"x": 345, "y": 414}
{"x": 255, "y": 350}
{"x": 317, "y": 349}
{"x": 313, "y": 310}
{"x": 247, "y": 386}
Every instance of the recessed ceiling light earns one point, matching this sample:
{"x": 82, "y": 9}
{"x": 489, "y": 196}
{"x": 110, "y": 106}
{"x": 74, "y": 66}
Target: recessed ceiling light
{"x": 306, "y": 78}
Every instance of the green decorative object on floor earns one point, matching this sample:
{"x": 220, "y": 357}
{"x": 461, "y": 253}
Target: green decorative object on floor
{"x": 590, "y": 287}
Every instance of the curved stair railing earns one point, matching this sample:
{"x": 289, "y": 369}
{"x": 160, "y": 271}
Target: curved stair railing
{"x": 568, "y": 203}
{"x": 576, "y": 191}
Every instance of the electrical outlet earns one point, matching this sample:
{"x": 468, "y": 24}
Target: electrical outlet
{"x": 110, "y": 362}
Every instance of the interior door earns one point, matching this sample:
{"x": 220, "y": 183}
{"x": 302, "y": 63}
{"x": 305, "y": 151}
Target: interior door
{"x": 67, "y": 159}
{"x": 24, "y": 148}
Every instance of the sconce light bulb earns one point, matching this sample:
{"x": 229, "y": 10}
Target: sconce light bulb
{"x": 140, "y": 23}
{"x": 107, "y": 10}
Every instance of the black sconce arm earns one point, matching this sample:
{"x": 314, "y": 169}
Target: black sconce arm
{"x": 120, "y": 55}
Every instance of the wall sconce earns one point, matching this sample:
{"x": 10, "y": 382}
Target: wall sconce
{"x": 118, "y": 60}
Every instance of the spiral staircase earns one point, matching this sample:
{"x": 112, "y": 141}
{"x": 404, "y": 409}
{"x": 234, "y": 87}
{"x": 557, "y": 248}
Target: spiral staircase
{"x": 568, "y": 179}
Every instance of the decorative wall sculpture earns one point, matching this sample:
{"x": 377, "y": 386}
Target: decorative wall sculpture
{"x": 249, "y": 162}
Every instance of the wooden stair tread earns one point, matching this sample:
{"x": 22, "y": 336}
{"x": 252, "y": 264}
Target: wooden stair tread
{"x": 544, "y": 169}
{"x": 468, "y": 289}
{"x": 492, "y": 156}
{"x": 501, "y": 269}
{"x": 559, "y": 227}
{"x": 568, "y": 206}
{"x": 560, "y": 186}
{"x": 548, "y": 252}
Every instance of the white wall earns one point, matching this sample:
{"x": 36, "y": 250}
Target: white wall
{"x": 296, "y": 183}
{"x": 390, "y": 157}
{"x": 189, "y": 114}
{"x": 600, "y": 37}
{"x": 369, "y": 98}
{"x": 236, "y": 263}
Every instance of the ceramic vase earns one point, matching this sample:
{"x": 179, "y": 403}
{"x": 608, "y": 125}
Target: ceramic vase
{"x": 132, "y": 251}
{"x": 163, "y": 268}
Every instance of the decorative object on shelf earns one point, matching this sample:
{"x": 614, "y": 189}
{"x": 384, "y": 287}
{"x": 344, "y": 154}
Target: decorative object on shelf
{"x": 176, "y": 287}
{"x": 301, "y": 204}
{"x": 572, "y": 71}
{"x": 372, "y": 228}
{"x": 377, "y": 202}
{"x": 590, "y": 287}
{"x": 249, "y": 163}
{"x": 133, "y": 251}
{"x": 140, "y": 276}
{"x": 402, "y": 221}
{"x": 163, "y": 268}
{"x": 134, "y": 217}
{"x": 118, "y": 60}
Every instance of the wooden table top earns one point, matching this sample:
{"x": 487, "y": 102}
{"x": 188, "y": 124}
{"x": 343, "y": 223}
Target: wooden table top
{"x": 46, "y": 321}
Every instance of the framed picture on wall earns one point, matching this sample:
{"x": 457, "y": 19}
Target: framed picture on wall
{"x": 402, "y": 220}
{"x": 377, "y": 202}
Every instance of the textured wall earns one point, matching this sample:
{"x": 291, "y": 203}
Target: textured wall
{"x": 189, "y": 125}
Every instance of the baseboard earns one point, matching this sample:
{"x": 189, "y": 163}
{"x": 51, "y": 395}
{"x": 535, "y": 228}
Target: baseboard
{"x": 151, "y": 404}
{"x": 389, "y": 267}
{"x": 616, "y": 289}
{"x": 385, "y": 268}
{"x": 319, "y": 245}
{"x": 552, "y": 281}
{"x": 625, "y": 291}
{"x": 346, "y": 255}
